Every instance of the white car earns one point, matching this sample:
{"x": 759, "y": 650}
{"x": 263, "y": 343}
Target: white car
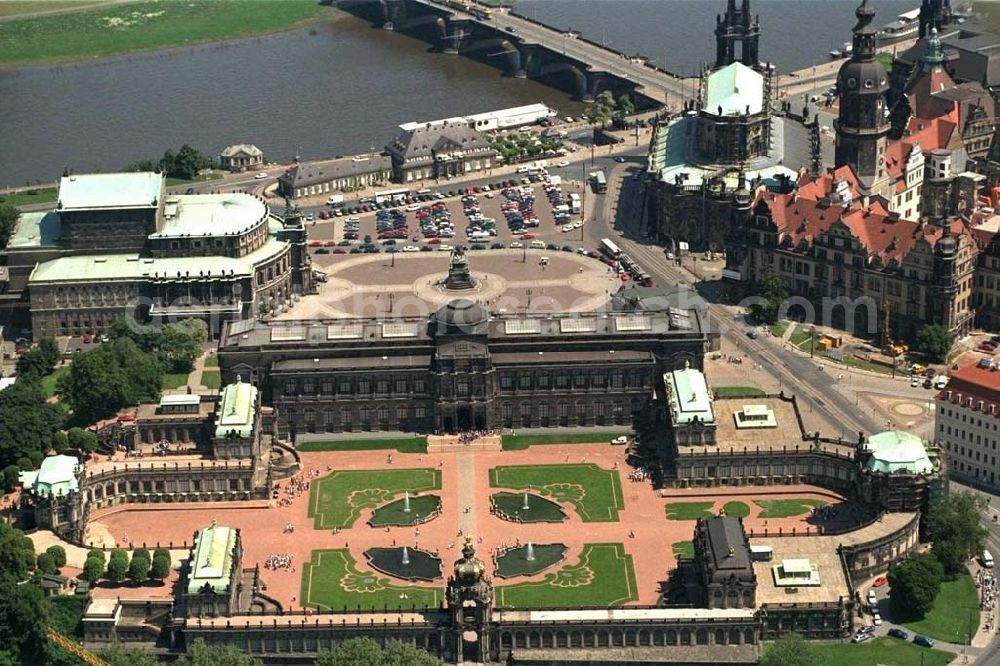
{"x": 568, "y": 227}
{"x": 577, "y": 224}
{"x": 564, "y": 163}
{"x": 517, "y": 245}
{"x": 354, "y": 218}
{"x": 261, "y": 176}
{"x": 411, "y": 248}
{"x": 620, "y": 440}
{"x": 915, "y": 382}
{"x": 444, "y": 247}
{"x": 413, "y": 207}
{"x": 876, "y": 619}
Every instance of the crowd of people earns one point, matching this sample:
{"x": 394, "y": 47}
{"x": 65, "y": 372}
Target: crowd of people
{"x": 295, "y": 487}
{"x": 470, "y": 436}
{"x": 279, "y": 561}
{"x": 638, "y": 475}
{"x": 987, "y": 585}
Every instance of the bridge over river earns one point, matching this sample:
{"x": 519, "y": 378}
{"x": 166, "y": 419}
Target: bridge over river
{"x": 525, "y": 48}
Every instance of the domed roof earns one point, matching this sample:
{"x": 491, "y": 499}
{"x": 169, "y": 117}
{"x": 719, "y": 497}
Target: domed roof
{"x": 864, "y": 77}
{"x": 461, "y": 316}
{"x": 470, "y": 569}
{"x": 898, "y": 451}
{"x": 946, "y": 245}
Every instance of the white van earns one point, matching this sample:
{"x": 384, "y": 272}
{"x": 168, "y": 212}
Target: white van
{"x": 986, "y": 559}
{"x": 941, "y": 382}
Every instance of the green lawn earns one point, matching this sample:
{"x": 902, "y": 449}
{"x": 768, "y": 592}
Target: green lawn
{"x": 683, "y": 550}
{"x": 144, "y": 26}
{"x": 778, "y": 329}
{"x": 739, "y": 392}
{"x": 738, "y": 509}
{"x": 595, "y": 493}
{"x": 949, "y": 619}
{"x": 799, "y": 338}
{"x": 50, "y": 381}
{"x": 882, "y": 651}
{"x": 173, "y": 380}
{"x": 689, "y": 510}
{"x": 332, "y": 581}
{"x": 211, "y": 361}
{"x": 25, "y": 198}
{"x": 604, "y": 576}
{"x": 211, "y": 379}
{"x": 200, "y": 178}
{"x": 337, "y": 499}
{"x": 521, "y": 442}
{"x": 786, "y": 508}
{"x": 401, "y": 444}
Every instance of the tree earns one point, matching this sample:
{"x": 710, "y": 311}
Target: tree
{"x": 27, "y": 424}
{"x": 201, "y": 654}
{"x": 954, "y": 529}
{"x": 118, "y": 566}
{"x": 39, "y": 360}
{"x": 366, "y": 652}
{"x": 58, "y": 554}
{"x": 772, "y": 293}
{"x": 10, "y": 477}
{"x": 183, "y": 342}
{"x": 83, "y": 440}
{"x": 9, "y": 214}
{"x": 23, "y": 621}
{"x": 138, "y": 568}
{"x": 117, "y": 654}
{"x": 914, "y": 584}
{"x": 93, "y": 569}
{"x": 790, "y": 650}
{"x": 17, "y": 553}
{"x": 160, "y": 568}
{"x": 625, "y": 107}
{"x": 602, "y": 110}
{"x": 103, "y": 380}
{"x": 934, "y": 341}
{"x": 46, "y": 564}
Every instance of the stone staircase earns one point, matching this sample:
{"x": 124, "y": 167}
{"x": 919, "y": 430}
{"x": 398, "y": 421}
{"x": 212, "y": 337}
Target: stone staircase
{"x": 452, "y": 444}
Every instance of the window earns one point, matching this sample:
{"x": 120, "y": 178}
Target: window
{"x": 506, "y": 382}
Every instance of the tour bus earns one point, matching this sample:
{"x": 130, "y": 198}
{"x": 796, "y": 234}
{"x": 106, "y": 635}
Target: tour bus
{"x": 987, "y": 559}
{"x": 599, "y": 182}
{"x": 609, "y": 249}
{"x": 394, "y": 196}
{"x": 574, "y": 202}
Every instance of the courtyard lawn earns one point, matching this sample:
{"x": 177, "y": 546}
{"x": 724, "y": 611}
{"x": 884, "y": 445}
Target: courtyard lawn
{"x": 786, "y": 508}
{"x": 950, "y": 618}
{"x": 51, "y": 381}
{"x": 401, "y": 444}
{"x": 521, "y": 442}
{"x": 738, "y": 509}
{"x": 173, "y": 380}
{"x": 683, "y": 550}
{"x": 739, "y": 392}
{"x": 211, "y": 361}
{"x": 143, "y": 26}
{"x": 29, "y": 197}
{"x": 337, "y": 499}
{"x": 211, "y": 379}
{"x": 689, "y": 510}
{"x": 332, "y": 581}
{"x": 799, "y": 338}
{"x": 595, "y": 493}
{"x": 604, "y": 576}
{"x": 778, "y": 329}
{"x": 883, "y": 651}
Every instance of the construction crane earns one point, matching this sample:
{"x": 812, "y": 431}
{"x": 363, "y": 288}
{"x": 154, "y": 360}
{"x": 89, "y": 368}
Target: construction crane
{"x": 74, "y": 648}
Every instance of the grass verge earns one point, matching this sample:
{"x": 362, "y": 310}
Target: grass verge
{"x": 211, "y": 379}
{"x": 737, "y": 509}
{"x": 29, "y": 197}
{"x": 739, "y": 392}
{"x": 786, "y": 508}
{"x": 401, "y": 444}
{"x": 689, "y": 510}
{"x": 683, "y": 550}
{"x": 142, "y": 26}
{"x": 604, "y": 576}
{"x": 883, "y": 651}
{"x": 173, "y": 380}
{"x": 955, "y": 612}
{"x": 521, "y": 442}
{"x": 51, "y": 381}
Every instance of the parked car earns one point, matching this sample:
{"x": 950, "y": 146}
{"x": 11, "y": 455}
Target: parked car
{"x": 923, "y": 641}
{"x": 261, "y": 176}
{"x": 896, "y": 632}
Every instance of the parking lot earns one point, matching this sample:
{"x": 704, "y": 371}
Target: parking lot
{"x": 513, "y": 214}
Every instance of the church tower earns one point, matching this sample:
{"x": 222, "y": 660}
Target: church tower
{"x": 737, "y": 26}
{"x": 470, "y": 602}
{"x": 863, "y": 125}
{"x": 934, "y": 14}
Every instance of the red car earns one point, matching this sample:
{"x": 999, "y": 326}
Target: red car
{"x": 433, "y": 241}
{"x": 330, "y": 243}
{"x": 527, "y": 236}
{"x": 315, "y": 244}
{"x": 324, "y": 214}
{"x": 340, "y": 250}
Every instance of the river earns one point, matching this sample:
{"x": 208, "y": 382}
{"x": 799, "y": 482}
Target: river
{"x": 343, "y": 87}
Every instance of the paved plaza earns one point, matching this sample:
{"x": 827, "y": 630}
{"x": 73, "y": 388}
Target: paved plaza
{"x": 406, "y": 284}
{"x": 618, "y": 537}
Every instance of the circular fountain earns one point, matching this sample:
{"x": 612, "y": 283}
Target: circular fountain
{"x": 529, "y": 559}
{"x": 405, "y": 563}
{"x": 407, "y": 510}
{"x": 526, "y": 508}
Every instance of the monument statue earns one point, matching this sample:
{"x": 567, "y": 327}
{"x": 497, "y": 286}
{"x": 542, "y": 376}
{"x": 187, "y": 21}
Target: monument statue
{"x": 459, "y": 278}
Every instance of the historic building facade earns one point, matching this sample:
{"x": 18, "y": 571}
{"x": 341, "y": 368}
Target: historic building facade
{"x": 464, "y": 368}
{"x": 967, "y": 423}
{"x": 117, "y": 245}
{"x": 439, "y": 149}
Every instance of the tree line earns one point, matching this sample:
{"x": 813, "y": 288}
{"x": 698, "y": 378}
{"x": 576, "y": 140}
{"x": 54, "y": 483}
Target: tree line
{"x": 184, "y": 164}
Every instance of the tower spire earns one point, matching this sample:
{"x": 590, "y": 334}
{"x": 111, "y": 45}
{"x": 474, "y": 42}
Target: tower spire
{"x": 934, "y": 58}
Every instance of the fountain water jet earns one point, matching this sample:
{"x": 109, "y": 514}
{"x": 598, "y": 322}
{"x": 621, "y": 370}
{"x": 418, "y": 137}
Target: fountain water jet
{"x": 530, "y": 552}
{"x": 406, "y": 501}
{"x": 406, "y": 555}
{"x": 525, "y": 504}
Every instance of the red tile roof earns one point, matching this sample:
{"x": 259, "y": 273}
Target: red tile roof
{"x": 980, "y": 384}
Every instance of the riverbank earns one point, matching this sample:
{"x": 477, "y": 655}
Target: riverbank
{"x": 147, "y": 25}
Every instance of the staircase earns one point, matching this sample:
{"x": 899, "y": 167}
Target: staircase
{"x": 452, "y": 444}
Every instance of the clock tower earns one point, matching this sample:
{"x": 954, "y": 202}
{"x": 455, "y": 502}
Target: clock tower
{"x": 863, "y": 124}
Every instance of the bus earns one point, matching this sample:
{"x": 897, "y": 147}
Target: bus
{"x": 609, "y": 249}
{"x": 394, "y": 196}
{"x": 599, "y": 182}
